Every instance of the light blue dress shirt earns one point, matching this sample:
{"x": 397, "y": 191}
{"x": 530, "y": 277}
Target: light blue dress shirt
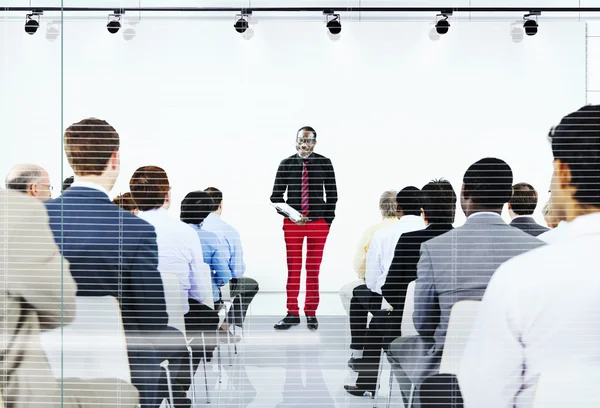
{"x": 232, "y": 248}
{"x": 215, "y": 257}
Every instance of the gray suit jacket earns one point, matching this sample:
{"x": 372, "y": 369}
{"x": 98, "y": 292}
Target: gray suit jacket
{"x": 458, "y": 266}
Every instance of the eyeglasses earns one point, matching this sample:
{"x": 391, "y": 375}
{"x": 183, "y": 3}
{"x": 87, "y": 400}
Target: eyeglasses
{"x": 307, "y": 141}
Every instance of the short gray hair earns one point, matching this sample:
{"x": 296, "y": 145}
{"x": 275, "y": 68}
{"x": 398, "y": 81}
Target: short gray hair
{"x": 21, "y": 177}
{"x": 387, "y": 204}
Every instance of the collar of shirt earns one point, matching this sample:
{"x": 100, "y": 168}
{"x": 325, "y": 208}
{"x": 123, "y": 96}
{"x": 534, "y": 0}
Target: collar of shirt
{"x": 89, "y": 184}
{"x": 588, "y": 224}
{"x": 483, "y": 213}
{"x": 522, "y": 216}
{"x": 302, "y": 159}
{"x": 155, "y": 213}
{"x": 212, "y": 217}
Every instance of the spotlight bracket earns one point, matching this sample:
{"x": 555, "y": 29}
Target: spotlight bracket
{"x": 533, "y": 13}
{"x": 246, "y": 12}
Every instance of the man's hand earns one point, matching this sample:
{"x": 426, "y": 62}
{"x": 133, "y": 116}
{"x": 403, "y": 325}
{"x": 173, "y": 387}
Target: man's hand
{"x": 302, "y": 221}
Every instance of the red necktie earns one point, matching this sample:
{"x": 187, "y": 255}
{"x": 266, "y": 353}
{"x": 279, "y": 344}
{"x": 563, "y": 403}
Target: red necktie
{"x": 304, "y": 203}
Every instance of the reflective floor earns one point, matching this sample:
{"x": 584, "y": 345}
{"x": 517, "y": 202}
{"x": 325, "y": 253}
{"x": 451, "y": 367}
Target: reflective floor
{"x": 293, "y": 368}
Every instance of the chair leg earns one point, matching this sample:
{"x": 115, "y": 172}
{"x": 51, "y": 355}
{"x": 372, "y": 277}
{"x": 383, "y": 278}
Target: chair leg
{"x": 380, "y": 369}
{"x": 391, "y": 384}
{"x": 412, "y": 395}
{"x": 165, "y": 365}
{"x": 204, "y": 364}
{"x": 228, "y": 338}
{"x": 219, "y": 362}
{"x": 192, "y": 375}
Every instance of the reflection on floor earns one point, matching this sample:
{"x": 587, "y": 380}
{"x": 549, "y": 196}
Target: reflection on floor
{"x": 294, "y": 368}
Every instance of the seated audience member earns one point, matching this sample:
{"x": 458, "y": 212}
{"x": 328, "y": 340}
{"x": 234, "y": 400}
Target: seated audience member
{"x": 30, "y": 179}
{"x": 389, "y": 213}
{"x": 67, "y": 183}
{"x": 179, "y": 249}
{"x": 195, "y": 207}
{"x": 110, "y": 251}
{"x": 246, "y": 287}
{"x": 367, "y": 298}
{"x": 540, "y": 310}
{"x": 39, "y": 294}
{"x": 439, "y": 207}
{"x": 521, "y": 207}
{"x": 126, "y": 202}
{"x": 457, "y": 266}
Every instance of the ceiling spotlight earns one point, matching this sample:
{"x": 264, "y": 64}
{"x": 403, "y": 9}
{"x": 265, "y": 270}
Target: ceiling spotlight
{"x": 531, "y": 25}
{"x": 241, "y": 24}
{"x": 114, "y": 21}
{"x": 333, "y": 22}
{"x": 52, "y": 31}
{"x": 443, "y": 25}
{"x": 32, "y": 21}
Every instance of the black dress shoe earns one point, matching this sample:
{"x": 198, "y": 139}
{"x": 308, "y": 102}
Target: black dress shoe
{"x": 287, "y": 322}
{"x": 357, "y": 392}
{"x": 312, "y": 322}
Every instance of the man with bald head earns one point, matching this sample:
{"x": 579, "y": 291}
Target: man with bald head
{"x": 30, "y": 179}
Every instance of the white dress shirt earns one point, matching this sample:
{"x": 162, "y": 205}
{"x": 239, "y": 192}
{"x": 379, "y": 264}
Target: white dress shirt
{"x": 539, "y": 312}
{"x": 360, "y": 257}
{"x": 555, "y": 234}
{"x": 180, "y": 252}
{"x": 383, "y": 245}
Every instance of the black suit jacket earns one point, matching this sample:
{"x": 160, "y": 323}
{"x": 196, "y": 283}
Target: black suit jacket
{"x": 528, "y": 225}
{"x": 403, "y": 268}
{"x": 321, "y": 179}
{"x": 111, "y": 252}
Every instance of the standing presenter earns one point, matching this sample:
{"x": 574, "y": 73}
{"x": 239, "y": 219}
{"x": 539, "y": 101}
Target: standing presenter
{"x": 309, "y": 179}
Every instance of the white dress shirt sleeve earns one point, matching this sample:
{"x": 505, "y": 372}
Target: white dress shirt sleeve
{"x": 374, "y": 267}
{"x": 200, "y": 277}
{"x": 492, "y": 367}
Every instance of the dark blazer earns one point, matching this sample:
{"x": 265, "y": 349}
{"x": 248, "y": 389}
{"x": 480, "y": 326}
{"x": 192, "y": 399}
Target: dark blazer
{"x": 403, "y": 268}
{"x": 321, "y": 178}
{"x": 111, "y": 252}
{"x": 528, "y": 225}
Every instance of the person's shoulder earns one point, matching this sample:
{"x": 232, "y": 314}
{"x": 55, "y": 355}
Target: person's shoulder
{"x": 287, "y": 160}
{"x": 133, "y": 223}
{"x": 21, "y": 203}
{"x": 322, "y": 158}
{"x": 417, "y": 236}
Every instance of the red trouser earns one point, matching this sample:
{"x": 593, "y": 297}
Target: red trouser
{"x": 316, "y": 235}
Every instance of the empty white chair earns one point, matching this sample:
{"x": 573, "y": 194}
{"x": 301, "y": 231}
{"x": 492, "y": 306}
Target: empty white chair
{"x": 460, "y": 325}
{"x": 573, "y": 385}
{"x": 92, "y": 346}
{"x": 408, "y": 327}
{"x": 175, "y": 310}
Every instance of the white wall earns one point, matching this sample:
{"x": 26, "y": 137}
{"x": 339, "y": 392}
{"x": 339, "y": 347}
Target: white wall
{"x": 392, "y": 108}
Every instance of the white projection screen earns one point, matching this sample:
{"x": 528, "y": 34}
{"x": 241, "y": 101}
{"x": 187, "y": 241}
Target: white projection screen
{"x": 391, "y": 106}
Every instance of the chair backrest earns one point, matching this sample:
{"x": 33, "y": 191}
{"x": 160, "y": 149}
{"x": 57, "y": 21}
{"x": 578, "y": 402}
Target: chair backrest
{"x": 408, "y": 327}
{"x": 460, "y": 325}
{"x": 573, "y": 385}
{"x": 93, "y": 345}
{"x": 174, "y": 300}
